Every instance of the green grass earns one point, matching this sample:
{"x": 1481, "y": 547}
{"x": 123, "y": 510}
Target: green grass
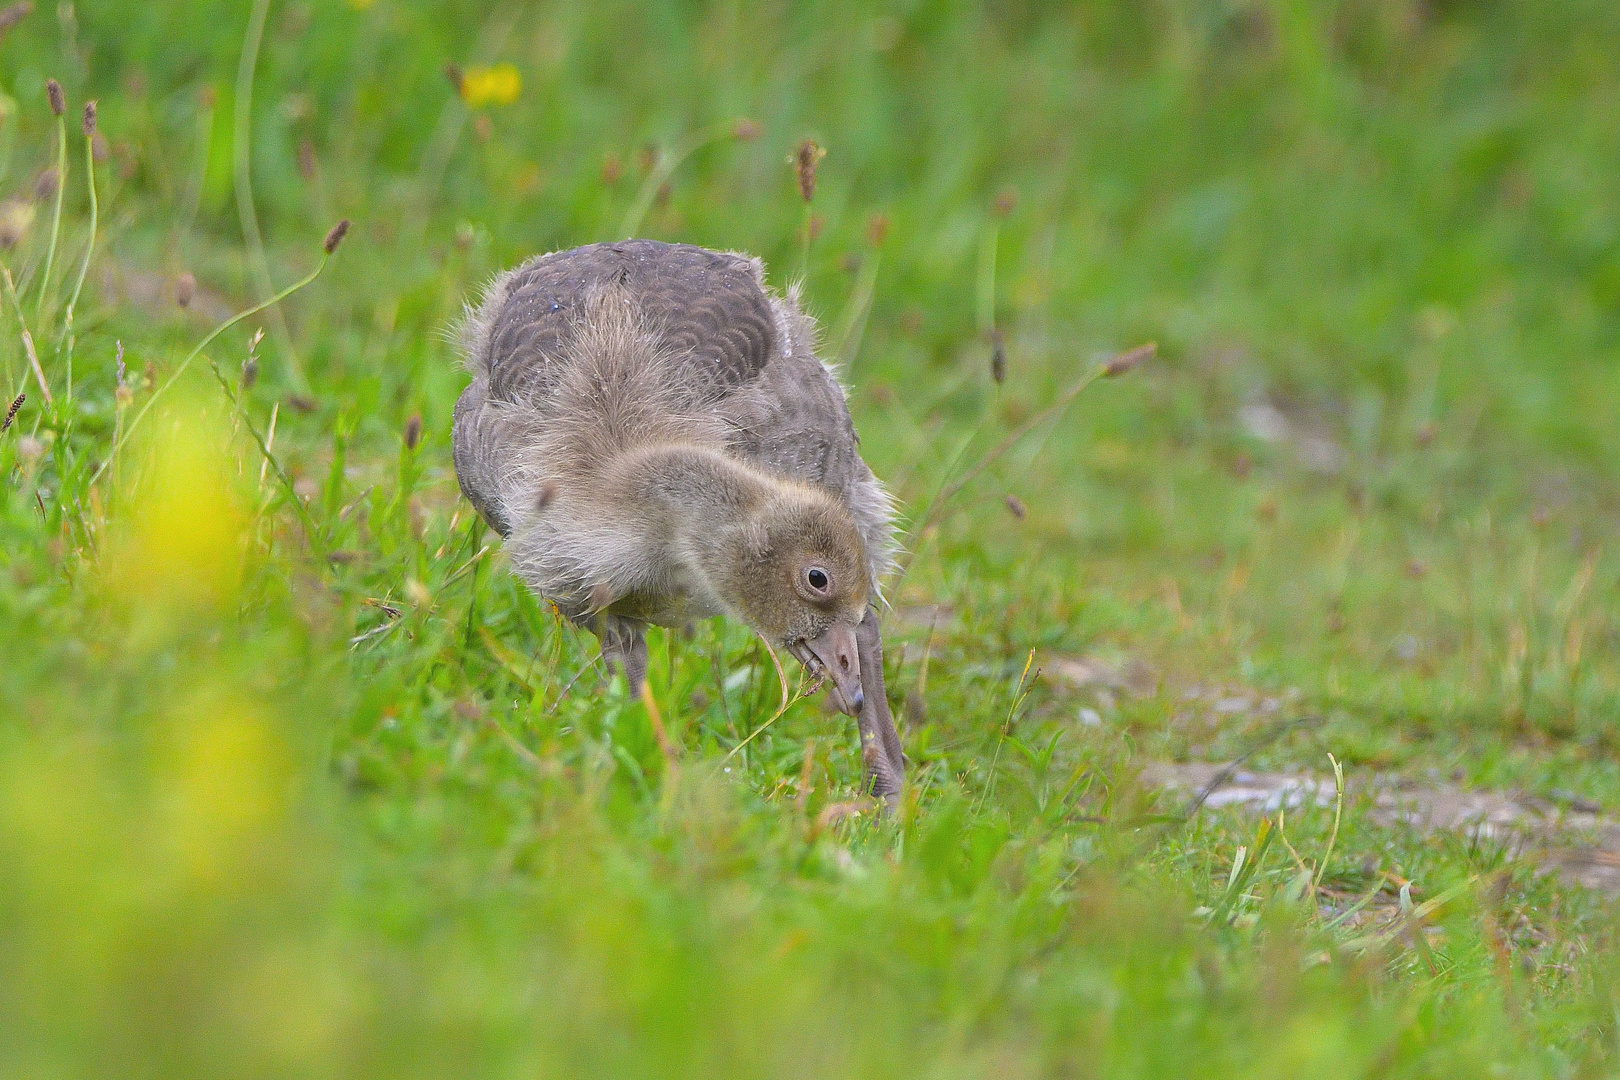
{"x": 289, "y": 784}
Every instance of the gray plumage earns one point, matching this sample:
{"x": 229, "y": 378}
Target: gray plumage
{"x": 650, "y": 429}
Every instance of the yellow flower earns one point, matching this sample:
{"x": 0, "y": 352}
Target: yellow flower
{"x": 498, "y": 85}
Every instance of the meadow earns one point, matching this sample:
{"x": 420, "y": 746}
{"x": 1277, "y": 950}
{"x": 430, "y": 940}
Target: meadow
{"x": 297, "y": 780}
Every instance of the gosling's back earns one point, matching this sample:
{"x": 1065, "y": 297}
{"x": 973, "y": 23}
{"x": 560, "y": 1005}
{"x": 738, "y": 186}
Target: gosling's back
{"x": 583, "y": 353}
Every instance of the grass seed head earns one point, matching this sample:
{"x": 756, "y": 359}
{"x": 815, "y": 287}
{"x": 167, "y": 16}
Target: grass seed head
{"x": 335, "y": 237}
{"x": 58, "y": 100}
{"x": 88, "y": 122}
{"x": 805, "y": 161}
{"x": 11, "y": 413}
{"x": 1016, "y": 507}
{"x": 185, "y": 287}
{"x": 745, "y": 130}
{"x": 45, "y": 185}
{"x": 998, "y": 358}
{"x": 124, "y": 393}
{"x": 413, "y": 431}
{"x": 1120, "y": 363}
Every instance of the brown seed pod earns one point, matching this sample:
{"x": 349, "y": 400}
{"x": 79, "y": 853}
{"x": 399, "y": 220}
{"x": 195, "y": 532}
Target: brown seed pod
{"x": 88, "y": 122}
{"x": 998, "y": 358}
{"x": 1120, "y": 363}
{"x": 805, "y": 161}
{"x": 53, "y": 94}
{"x": 11, "y": 413}
{"x": 335, "y": 237}
{"x": 413, "y": 431}
{"x": 1016, "y": 506}
{"x": 45, "y": 184}
{"x": 185, "y": 287}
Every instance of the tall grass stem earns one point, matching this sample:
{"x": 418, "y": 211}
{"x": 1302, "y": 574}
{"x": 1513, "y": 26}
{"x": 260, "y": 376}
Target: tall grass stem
{"x": 204, "y": 138}
{"x": 56, "y": 214}
{"x": 242, "y": 158}
{"x": 27, "y": 340}
{"x": 201, "y": 345}
{"x": 84, "y": 265}
{"x": 950, "y": 488}
{"x": 663, "y": 169}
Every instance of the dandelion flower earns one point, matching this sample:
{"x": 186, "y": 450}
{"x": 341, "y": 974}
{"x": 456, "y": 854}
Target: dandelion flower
{"x": 497, "y": 85}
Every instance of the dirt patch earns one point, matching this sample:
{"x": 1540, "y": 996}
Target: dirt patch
{"x": 1573, "y": 839}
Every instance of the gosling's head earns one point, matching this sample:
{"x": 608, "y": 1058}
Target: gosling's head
{"x": 797, "y": 572}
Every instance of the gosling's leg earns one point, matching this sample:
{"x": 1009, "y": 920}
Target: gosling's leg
{"x": 880, "y": 743}
{"x": 624, "y": 642}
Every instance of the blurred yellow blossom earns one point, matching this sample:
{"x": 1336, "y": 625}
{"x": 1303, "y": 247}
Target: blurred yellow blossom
{"x": 498, "y": 85}
{"x": 181, "y": 544}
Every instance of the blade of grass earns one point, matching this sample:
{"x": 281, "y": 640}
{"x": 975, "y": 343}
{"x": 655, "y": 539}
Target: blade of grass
{"x": 201, "y": 345}
{"x": 1338, "y": 813}
{"x": 1119, "y": 363}
{"x": 787, "y": 702}
{"x": 28, "y": 341}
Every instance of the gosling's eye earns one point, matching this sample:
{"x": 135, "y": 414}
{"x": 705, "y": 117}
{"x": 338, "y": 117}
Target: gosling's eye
{"x": 817, "y": 579}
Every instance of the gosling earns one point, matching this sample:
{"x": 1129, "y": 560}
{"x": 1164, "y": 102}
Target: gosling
{"x": 650, "y": 430}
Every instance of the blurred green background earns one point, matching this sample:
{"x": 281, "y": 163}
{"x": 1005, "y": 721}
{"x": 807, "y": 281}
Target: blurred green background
{"x": 295, "y": 780}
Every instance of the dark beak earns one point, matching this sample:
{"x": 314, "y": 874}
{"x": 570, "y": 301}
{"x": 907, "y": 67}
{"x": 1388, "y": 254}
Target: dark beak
{"x": 835, "y": 649}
